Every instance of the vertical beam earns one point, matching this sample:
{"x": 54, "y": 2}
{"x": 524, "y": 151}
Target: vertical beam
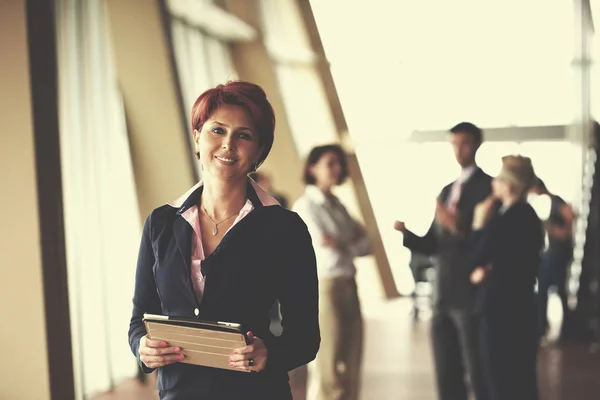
{"x": 44, "y": 96}
{"x": 386, "y": 277}
{"x": 33, "y": 248}
{"x": 161, "y": 153}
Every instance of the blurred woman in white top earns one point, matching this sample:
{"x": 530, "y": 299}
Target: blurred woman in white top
{"x": 337, "y": 240}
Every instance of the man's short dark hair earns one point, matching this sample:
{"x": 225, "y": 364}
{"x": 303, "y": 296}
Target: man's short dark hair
{"x": 469, "y": 129}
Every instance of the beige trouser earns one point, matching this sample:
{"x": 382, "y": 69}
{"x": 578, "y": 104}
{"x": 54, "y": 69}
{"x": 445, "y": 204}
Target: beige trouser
{"x": 335, "y": 373}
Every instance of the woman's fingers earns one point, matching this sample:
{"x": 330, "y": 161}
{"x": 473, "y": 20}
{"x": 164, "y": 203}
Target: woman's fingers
{"x": 248, "y": 362}
{"x": 159, "y": 361}
{"x": 153, "y": 351}
{"x": 252, "y": 357}
{"x": 156, "y": 353}
{"x": 147, "y": 342}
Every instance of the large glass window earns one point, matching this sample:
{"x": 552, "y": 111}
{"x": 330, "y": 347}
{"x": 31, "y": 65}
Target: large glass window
{"x": 306, "y": 105}
{"x": 102, "y": 223}
{"x": 467, "y": 60}
{"x": 200, "y": 34}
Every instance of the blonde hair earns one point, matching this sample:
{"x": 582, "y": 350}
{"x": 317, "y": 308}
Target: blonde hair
{"x": 518, "y": 172}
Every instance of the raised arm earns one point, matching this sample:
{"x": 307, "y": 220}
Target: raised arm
{"x": 483, "y": 240}
{"x": 360, "y": 245}
{"x": 419, "y": 244}
{"x": 325, "y": 246}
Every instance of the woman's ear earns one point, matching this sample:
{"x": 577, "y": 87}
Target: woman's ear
{"x": 311, "y": 172}
{"x": 196, "y": 136}
{"x": 259, "y": 154}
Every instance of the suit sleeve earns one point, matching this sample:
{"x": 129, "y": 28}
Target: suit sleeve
{"x": 427, "y": 244}
{"x": 145, "y": 296}
{"x": 299, "y": 300}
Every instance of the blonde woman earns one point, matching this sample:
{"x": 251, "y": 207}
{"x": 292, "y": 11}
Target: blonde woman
{"x": 508, "y": 238}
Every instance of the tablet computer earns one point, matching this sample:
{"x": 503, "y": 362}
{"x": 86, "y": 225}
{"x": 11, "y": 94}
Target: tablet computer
{"x": 206, "y": 343}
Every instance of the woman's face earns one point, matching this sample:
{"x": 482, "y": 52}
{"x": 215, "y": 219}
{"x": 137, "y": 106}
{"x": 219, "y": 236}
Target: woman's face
{"x": 500, "y": 188}
{"x": 327, "y": 171}
{"x": 228, "y": 143}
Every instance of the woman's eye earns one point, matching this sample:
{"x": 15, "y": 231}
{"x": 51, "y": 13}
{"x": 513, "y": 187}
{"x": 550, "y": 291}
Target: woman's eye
{"x": 218, "y": 130}
{"x": 246, "y": 136}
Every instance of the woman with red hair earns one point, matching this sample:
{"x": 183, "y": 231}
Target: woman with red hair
{"x": 225, "y": 251}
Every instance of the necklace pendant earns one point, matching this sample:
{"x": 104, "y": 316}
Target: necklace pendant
{"x": 214, "y": 231}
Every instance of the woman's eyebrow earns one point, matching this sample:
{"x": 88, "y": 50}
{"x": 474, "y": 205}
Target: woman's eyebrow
{"x": 227, "y": 126}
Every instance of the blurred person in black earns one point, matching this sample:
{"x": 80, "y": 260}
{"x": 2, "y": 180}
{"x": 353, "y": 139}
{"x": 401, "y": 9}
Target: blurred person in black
{"x": 454, "y": 326}
{"x": 506, "y": 242}
{"x": 558, "y": 254}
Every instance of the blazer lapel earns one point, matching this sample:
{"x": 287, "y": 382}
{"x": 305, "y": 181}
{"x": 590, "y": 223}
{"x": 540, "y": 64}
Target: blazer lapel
{"x": 468, "y": 186}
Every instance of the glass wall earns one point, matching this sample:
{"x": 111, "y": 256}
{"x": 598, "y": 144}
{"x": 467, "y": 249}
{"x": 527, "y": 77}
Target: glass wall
{"x": 200, "y": 35}
{"x": 306, "y": 105}
{"x": 430, "y": 65}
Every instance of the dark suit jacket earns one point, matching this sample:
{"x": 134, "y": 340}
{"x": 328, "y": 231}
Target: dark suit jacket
{"x": 452, "y": 287}
{"x": 511, "y": 242}
{"x": 268, "y": 255}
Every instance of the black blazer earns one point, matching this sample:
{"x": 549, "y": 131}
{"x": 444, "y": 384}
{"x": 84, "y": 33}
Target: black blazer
{"x": 452, "y": 286}
{"x": 268, "y": 255}
{"x": 512, "y": 242}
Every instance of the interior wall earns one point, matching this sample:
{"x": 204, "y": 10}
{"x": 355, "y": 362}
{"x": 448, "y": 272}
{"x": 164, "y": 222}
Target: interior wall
{"x": 161, "y": 153}
{"x": 24, "y": 372}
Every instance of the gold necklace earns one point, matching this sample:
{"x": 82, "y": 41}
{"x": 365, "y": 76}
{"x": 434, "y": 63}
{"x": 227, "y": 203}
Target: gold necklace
{"x": 215, "y": 229}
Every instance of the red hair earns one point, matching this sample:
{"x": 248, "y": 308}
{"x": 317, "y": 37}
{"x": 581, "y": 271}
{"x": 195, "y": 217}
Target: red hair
{"x": 244, "y": 94}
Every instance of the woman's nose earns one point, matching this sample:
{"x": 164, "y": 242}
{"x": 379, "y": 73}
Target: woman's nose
{"x": 228, "y": 143}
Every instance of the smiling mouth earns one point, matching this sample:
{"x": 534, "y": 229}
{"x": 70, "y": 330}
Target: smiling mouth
{"x": 226, "y": 160}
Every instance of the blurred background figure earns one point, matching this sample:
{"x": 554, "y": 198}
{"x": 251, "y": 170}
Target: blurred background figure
{"x": 338, "y": 239}
{"x": 558, "y": 254}
{"x": 506, "y": 245}
{"x": 454, "y": 328}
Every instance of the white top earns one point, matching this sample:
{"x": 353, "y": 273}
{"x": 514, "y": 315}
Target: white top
{"x": 327, "y": 215}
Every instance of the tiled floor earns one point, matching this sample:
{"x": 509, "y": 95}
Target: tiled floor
{"x": 398, "y": 363}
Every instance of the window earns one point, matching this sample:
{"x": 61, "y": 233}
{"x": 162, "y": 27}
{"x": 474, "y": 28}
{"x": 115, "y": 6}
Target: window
{"x": 97, "y": 179}
{"x": 202, "y": 58}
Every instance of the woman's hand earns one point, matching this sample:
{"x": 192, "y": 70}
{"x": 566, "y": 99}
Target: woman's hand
{"x": 329, "y": 241}
{"x": 445, "y": 218}
{"x": 483, "y": 212}
{"x": 479, "y": 274}
{"x": 156, "y": 353}
{"x": 400, "y": 226}
{"x": 252, "y": 357}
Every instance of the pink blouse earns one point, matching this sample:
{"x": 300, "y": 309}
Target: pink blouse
{"x": 191, "y": 215}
